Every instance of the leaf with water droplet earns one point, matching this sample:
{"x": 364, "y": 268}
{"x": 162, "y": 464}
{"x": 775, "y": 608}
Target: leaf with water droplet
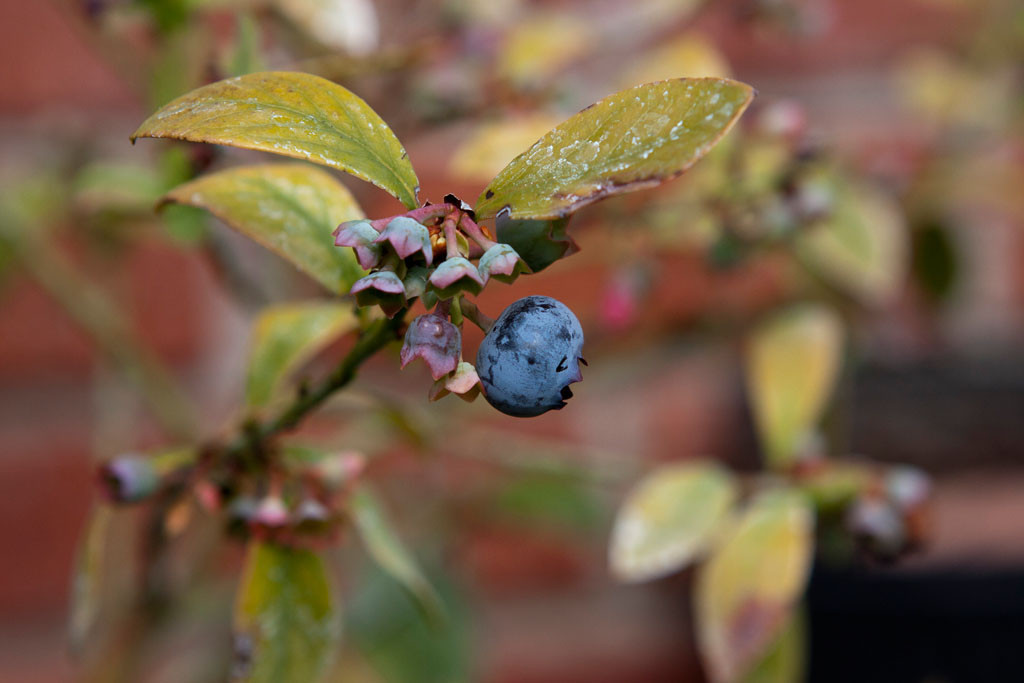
{"x": 633, "y": 139}
{"x": 390, "y": 554}
{"x": 294, "y": 114}
{"x": 286, "y": 626}
{"x": 291, "y": 209}
{"x": 668, "y": 519}
{"x": 286, "y": 336}
{"x": 747, "y": 590}
{"x": 792, "y": 363}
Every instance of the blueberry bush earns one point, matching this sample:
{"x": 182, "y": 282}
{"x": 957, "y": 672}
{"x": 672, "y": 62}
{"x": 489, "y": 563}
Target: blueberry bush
{"x": 759, "y": 194}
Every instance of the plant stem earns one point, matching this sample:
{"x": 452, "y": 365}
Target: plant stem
{"x": 473, "y": 314}
{"x": 93, "y": 311}
{"x": 255, "y": 435}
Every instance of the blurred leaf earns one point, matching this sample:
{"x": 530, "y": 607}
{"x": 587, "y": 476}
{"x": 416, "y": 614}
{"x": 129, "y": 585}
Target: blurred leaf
{"x": 746, "y": 591}
{"x": 691, "y": 56}
{"x": 483, "y": 153}
{"x": 548, "y": 500}
{"x": 389, "y": 629}
{"x": 245, "y": 56}
{"x": 537, "y": 48}
{"x": 861, "y": 247}
{"x": 286, "y": 336}
{"x": 390, "y": 554}
{"x": 348, "y": 25}
{"x": 88, "y": 576}
{"x": 792, "y": 363}
{"x": 935, "y": 261}
{"x": 634, "y": 139}
{"x": 294, "y": 114}
{"x": 291, "y": 209}
{"x": 669, "y": 519}
{"x": 786, "y": 659}
{"x": 180, "y": 64}
{"x": 285, "y": 624}
{"x": 117, "y": 185}
{"x": 539, "y": 243}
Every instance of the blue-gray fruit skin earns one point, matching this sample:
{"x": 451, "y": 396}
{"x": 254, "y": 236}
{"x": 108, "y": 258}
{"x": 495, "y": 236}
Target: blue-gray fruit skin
{"x": 530, "y": 356}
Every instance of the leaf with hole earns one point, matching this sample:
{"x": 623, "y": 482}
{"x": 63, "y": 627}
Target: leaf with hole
{"x": 669, "y": 519}
{"x": 633, "y": 139}
{"x": 294, "y": 114}
{"x": 291, "y": 209}
{"x": 286, "y": 336}
{"x": 747, "y": 590}
{"x": 286, "y": 625}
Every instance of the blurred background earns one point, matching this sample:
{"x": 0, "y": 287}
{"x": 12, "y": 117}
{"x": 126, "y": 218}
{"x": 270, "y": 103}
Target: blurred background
{"x": 896, "y": 124}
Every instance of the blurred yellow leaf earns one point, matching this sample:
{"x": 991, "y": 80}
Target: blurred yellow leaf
{"x": 634, "y": 139}
{"x": 691, "y": 56}
{"x": 536, "y": 48}
{"x": 786, "y": 659}
{"x": 294, "y": 114}
{"x": 792, "y": 362}
{"x": 861, "y": 246}
{"x": 286, "y": 336}
{"x": 484, "y": 152}
{"x": 746, "y": 591}
{"x": 291, "y": 209}
{"x": 669, "y": 519}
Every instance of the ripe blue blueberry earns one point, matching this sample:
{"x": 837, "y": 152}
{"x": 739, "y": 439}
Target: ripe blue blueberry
{"x": 530, "y": 356}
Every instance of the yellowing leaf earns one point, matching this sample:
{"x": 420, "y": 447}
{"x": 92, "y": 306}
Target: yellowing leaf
{"x": 691, "y": 56}
{"x": 537, "y": 48}
{"x": 634, "y": 139}
{"x": 89, "y": 575}
{"x": 295, "y": 114}
{"x": 390, "y": 554}
{"x": 746, "y": 591}
{"x": 786, "y": 659}
{"x": 285, "y": 624}
{"x": 286, "y": 336}
{"x": 792, "y": 361}
{"x": 669, "y": 519}
{"x": 488, "y": 149}
{"x": 291, "y": 209}
{"x": 861, "y": 247}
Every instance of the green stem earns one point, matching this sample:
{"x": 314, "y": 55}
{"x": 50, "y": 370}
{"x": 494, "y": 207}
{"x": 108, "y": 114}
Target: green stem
{"x": 255, "y": 435}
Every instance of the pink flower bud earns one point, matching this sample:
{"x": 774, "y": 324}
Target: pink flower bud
{"x": 436, "y": 341}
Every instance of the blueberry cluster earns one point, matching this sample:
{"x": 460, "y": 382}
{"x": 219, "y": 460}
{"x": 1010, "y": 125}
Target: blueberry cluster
{"x": 426, "y": 253}
{"x": 529, "y": 356}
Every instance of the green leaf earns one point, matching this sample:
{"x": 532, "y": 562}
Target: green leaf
{"x": 792, "y": 363}
{"x": 294, "y": 114}
{"x": 390, "y": 554}
{"x": 285, "y": 623}
{"x": 539, "y": 243}
{"x": 861, "y": 247}
{"x": 291, "y": 209}
{"x": 746, "y": 591}
{"x": 669, "y": 519}
{"x": 389, "y": 630}
{"x": 286, "y": 336}
{"x": 634, "y": 139}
